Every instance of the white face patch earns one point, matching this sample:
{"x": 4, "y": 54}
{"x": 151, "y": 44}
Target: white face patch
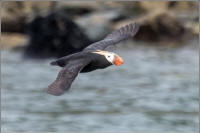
{"x": 110, "y": 57}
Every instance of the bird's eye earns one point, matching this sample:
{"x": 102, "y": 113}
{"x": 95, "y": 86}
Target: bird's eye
{"x": 108, "y": 56}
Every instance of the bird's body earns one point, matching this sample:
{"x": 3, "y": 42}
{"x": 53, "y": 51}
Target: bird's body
{"x": 91, "y": 58}
{"x": 95, "y": 61}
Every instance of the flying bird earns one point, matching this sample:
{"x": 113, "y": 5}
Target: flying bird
{"x": 89, "y": 59}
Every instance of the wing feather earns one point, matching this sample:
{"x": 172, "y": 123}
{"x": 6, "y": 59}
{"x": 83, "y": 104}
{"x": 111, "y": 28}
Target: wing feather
{"x": 115, "y": 37}
{"x": 65, "y": 77}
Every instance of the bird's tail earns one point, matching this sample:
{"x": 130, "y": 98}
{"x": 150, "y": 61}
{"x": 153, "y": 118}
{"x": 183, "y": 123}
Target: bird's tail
{"x": 54, "y": 63}
{"x": 63, "y": 61}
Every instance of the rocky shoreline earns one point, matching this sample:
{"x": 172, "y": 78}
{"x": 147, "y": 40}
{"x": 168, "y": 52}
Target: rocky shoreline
{"x": 168, "y": 22}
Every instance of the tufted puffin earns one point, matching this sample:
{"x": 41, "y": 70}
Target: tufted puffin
{"x": 89, "y": 59}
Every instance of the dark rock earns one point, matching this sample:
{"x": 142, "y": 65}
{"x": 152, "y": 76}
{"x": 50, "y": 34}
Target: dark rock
{"x": 55, "y": 35}
{"x": 15, "y": 14}
{"x": 160, "y": 26}
{"x": 13, "y": 17}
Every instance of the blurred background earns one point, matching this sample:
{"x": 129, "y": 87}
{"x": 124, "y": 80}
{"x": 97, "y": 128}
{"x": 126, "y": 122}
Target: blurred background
{"x": 155, "y": 90}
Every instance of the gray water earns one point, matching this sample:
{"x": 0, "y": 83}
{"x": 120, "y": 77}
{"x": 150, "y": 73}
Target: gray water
{"x": 155, "y": 90}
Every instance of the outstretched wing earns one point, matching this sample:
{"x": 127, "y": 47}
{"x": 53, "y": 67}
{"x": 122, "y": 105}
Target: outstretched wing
{"x": 65, "y": 77}
{"x": 115, "y": 37}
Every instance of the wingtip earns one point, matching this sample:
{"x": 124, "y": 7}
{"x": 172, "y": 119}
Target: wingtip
{"x": 136, "y": 27}
{"x": 54, "y": 91}
{"x": 133, "y": 28}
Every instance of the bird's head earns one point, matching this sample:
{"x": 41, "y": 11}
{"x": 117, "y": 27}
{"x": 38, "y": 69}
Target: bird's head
{"x": 111, "y": 57}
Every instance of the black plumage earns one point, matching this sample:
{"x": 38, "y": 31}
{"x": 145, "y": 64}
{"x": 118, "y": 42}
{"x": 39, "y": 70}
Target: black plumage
{"x": 91, "y": 58}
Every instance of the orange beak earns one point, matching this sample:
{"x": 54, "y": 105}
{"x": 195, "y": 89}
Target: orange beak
{"x": 118, "y": 61}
